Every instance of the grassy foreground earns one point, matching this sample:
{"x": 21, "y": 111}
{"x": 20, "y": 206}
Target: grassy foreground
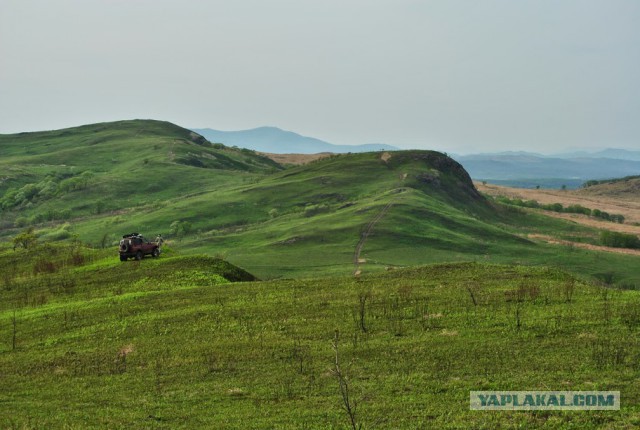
{"x": 89, "y": 342}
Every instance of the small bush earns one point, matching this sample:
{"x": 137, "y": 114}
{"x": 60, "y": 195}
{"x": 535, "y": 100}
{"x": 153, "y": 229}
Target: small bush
{"x": 578, "y": 209}
{"x": 555, "y": 207}
{"x": 21, "y": 222}
{"x": 619, "y": 240}
{"x": 312, "y": 210}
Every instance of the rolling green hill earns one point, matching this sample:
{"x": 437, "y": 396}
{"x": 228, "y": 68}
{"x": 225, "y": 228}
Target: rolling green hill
{"x": 106, "y": 168}
{"x": 344, "y": 214}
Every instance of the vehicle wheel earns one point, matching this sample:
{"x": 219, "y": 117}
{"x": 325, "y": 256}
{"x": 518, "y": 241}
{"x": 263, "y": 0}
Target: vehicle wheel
{"x": 139, "y": 255}
{"x": 155, "y": 253}
{"x": 123, "y": 258}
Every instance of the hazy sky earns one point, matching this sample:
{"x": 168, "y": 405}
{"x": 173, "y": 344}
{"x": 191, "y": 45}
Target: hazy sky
{"x": 453, "y": 75}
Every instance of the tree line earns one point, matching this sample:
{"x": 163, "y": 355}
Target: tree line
{"x": 560, "y": 208}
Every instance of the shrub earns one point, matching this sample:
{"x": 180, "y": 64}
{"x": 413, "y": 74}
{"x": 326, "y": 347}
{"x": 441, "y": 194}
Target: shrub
{"x": 619, "y": 240}
{"x": 617, "y": 218}
{"x": 555, "y": 207}
{"x": 21, "y": 222}
{"x": 180, "y": 228}
{"x": 311, "y": 210}
{"x": 61, "y": 233}
{"x": 578, "y": 209}
{"x": 26, "y": 239}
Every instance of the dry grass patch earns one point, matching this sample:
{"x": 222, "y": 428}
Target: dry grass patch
{"x": 614, "y": 205}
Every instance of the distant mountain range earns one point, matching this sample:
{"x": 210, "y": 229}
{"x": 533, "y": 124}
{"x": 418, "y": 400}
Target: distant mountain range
{"x": 527, "y": 169}
{"x": 620, "y": 154}
{"x": 615, "y": 153}
{"x": 278, "y": 141}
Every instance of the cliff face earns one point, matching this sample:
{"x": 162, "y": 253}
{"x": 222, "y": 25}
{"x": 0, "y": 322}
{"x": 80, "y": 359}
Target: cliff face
{"x": 437, "y": 171}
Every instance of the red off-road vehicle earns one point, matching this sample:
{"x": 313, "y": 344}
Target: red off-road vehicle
{"x": 136, "y": 246}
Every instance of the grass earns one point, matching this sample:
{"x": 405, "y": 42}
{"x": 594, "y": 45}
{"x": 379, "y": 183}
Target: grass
{"x": 452, "y": 297}
{"x": 113, "y": 168}
{"x": 205, "y": 352}
{"x": 300, "y": 221}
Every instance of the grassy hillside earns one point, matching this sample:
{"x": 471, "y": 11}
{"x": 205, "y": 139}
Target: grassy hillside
{"x": 627, "y": 188}
{"x": 171, "y": 343}
{"x": 112, "y": 168}
{"x": 315, "y": 215}
{"x": 339, "y": 215}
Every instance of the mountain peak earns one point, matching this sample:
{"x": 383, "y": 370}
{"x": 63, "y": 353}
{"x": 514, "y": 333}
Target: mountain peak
{"x": 274, "y": 140}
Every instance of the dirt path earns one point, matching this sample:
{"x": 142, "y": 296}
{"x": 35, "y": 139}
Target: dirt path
{"x": 357, "y": 260}
{"x": 171, "y": 154}
{"x": 363, "y": 238}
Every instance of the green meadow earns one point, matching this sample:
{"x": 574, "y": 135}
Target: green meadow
{"x": 187, "y": 342}
{"x": 369, "y": 290}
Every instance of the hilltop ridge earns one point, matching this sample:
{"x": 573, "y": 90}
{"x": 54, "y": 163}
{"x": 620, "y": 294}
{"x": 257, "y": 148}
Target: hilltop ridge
{"x": 104, "y": 168}
{"x": 126, "y": 142}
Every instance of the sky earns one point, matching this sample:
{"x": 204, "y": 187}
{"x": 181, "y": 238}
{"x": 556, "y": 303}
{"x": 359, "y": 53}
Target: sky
{"x": 454, "y": 75}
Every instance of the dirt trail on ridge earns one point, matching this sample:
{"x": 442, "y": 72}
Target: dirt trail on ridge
{"x": 365, "y": 235}
{"x": 357, "y": 260}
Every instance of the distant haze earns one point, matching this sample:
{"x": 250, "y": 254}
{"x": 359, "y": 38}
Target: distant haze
{"x": 457, "y": 76}
{"x": 277, "y": 141}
